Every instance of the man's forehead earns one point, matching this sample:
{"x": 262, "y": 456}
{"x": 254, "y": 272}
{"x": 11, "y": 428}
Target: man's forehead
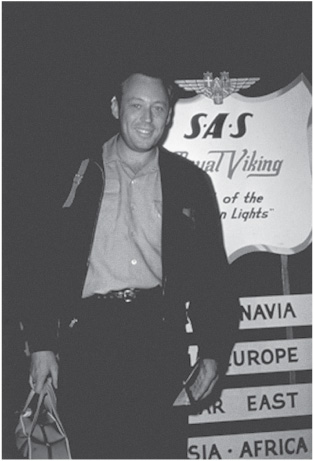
{"x": 140, "y": 84}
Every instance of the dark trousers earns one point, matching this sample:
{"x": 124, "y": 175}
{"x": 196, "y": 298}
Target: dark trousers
{"x": 121, "y": 368}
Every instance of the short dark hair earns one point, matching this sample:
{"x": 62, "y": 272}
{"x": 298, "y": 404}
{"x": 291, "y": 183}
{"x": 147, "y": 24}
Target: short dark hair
{"x": 148, "y": 72}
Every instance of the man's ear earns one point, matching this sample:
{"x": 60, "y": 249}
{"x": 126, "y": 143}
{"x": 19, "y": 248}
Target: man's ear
{"x": 169, "y": 117}
{"x": 115, "y": 108}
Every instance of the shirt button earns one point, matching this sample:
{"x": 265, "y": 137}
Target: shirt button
{"x": 133, "y": 181}
{"x": 133, "y": 262}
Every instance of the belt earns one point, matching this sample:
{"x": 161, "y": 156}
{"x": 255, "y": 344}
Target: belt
{"x": 128, "y": 294}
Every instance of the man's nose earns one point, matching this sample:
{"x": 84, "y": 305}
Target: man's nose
{"x": 147, "y": 115}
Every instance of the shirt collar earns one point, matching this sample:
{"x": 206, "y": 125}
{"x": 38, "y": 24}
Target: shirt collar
{"x": 110, "y": 154}
{"x": 109, "y": 151}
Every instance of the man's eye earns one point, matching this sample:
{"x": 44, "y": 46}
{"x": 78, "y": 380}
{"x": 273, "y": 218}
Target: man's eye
{"x": 159, "y": 109}
{"x": 136, "y": 106}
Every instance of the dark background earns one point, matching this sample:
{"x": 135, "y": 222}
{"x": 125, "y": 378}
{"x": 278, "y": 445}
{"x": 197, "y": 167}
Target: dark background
{"x": 60, "y": 64}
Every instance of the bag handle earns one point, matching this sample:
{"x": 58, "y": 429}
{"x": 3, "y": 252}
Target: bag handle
{"x": 51, "y": 401}
{"x": 39, "y": 404}
{"x": 76, "y": 182}
{"x": 28, "y": 401}
{"x": 51, "y": 405}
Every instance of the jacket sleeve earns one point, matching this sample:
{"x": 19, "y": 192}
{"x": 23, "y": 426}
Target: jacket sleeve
{"x": 214, "y": 308}
{"x": 41, "y": 310}
{"x": 47, "y": 294}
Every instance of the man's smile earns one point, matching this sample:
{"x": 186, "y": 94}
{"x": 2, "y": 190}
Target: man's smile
{"x": 144, "y": 132}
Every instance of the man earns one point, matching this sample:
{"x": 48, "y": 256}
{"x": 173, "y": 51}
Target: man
{"x": 141, "y": 237}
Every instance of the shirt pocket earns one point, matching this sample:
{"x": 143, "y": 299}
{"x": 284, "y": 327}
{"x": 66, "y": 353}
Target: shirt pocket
{"x": 152, "y": 223}
{"x": 110, "y": 204}
{"x": 112, "y": 186}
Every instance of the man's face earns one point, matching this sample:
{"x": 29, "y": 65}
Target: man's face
{"x": 143, "y": 112}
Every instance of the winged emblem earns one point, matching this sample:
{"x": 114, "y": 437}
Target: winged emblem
{"x": 217, "y": 88}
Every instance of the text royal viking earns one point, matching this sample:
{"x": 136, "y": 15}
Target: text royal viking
{"x": 249, "y": 163}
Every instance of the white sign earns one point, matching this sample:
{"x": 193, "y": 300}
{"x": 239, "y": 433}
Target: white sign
{"x": 271, "y": 445}
{"x": 257, "y": 152}
{"x": 270, "y": 356}
{"x": 276, "y": 311}
{"x": 258, "y": 403}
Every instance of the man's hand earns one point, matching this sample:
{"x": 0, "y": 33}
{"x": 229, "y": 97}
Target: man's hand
{"x": 205, "y": 380}
{"x": 43, "y": 365}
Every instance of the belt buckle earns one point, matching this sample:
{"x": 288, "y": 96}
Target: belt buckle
{"x": 128, "y": 295}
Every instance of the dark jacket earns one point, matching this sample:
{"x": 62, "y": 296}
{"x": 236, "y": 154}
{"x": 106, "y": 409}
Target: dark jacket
{"x": 195, "y": 267}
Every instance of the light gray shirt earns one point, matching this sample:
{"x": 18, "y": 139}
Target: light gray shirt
{"x": 126, "y": 251}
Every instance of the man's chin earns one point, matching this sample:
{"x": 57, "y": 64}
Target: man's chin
{"x": 145, "y": 146}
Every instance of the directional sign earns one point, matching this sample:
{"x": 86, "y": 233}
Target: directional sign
{"x": 258, "y": 403}
{"x": 271, "y": 356}
{"x": 266, "y": 445}
{"x": 276, "y": 311}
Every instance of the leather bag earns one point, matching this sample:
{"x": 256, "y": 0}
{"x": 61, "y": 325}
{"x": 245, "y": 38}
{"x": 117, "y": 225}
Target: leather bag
{"x": 40, "y": 433}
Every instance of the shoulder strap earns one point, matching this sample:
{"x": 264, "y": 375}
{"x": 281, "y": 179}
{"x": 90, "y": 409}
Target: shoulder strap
{"x": 76, "y": 182}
